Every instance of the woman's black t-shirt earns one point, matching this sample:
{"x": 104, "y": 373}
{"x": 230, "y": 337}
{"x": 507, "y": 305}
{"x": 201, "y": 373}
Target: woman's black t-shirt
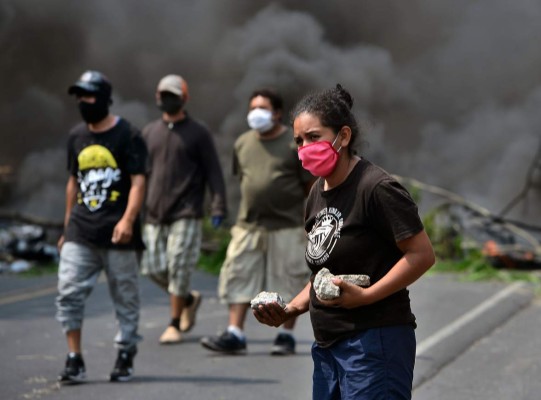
{"x": 102, "y": 164}
{"x": 353, "y": 229}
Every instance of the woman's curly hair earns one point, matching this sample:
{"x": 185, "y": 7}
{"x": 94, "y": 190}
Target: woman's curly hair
{"x": 333, "y": 108}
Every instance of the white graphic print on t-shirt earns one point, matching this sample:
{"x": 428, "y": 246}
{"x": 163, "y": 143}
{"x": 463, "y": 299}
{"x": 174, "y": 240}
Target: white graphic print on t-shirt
{"x": 324, "y": 235}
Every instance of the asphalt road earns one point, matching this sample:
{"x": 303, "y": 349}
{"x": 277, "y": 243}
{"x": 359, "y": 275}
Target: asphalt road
{"x": 475, "y": 341}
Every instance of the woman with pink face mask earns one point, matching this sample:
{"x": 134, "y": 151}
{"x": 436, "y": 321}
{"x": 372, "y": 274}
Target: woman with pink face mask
{"x": 359, "y": 220}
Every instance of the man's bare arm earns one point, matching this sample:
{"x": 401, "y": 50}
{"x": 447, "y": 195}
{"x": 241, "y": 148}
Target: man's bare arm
{"x": 123, "y": 231}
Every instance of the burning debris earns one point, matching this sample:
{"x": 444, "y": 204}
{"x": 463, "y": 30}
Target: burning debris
{"x": 466, "y": 226}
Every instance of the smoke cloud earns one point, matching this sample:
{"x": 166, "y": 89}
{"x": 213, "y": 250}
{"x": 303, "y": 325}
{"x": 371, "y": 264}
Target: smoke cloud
{"x": 448, "y": 92}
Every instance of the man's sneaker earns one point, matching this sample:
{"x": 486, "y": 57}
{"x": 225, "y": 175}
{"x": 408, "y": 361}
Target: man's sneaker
{"x": 283, "y": 345}
{"x": 187, "y": 318}
{"x": 171, "y": 336}
{"x": 74, "y": 371}
{"x": 227, "y": 343}
{"x": 123, "y": 370}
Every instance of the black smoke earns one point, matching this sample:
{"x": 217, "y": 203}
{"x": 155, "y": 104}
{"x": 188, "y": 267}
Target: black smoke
{"x": 449, "y": 92}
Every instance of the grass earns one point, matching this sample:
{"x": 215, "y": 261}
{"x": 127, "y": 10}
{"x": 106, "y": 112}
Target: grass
{"x": 40, "y": 269}
{"x": 211, "y": 260}
{"x": 215, "y": 241}
{"x": 472, "y": 266}
{"x": 476, "y": 268}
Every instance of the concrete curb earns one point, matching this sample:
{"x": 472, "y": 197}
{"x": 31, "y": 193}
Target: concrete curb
{"x": 445, "y": 345}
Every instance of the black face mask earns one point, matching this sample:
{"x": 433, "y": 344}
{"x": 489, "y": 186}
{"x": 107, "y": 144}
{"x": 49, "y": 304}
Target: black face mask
{"x": 170, "y": 103}
{"x": 94, "y": 112}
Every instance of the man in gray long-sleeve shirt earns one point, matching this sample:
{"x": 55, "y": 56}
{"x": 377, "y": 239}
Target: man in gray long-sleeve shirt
{"x": 183, "y": 161}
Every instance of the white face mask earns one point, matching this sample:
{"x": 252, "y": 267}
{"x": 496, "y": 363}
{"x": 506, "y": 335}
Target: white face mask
{"x": 260, "y": 120}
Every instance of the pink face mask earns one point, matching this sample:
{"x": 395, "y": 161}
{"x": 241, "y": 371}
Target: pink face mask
{"x": 319, "y": 158}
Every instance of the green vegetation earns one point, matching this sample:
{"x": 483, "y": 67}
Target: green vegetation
{"x": 40, "y": 269}
{"x": 455, "y": 256}
{"x": 446, "y": 240}
{"x": 214, "y": 247}
{"x": 470, "y": 264}
{"x": 475, "y": 267}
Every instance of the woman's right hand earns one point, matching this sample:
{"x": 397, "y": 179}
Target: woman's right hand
{"x": 271, "y": 314}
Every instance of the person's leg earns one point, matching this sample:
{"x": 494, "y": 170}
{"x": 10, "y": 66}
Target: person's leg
{"x": 399, "y": 346}
{"x": 183, "y": 250}
{"x": 78, "y": 272}
{"x": 73, "y": 338}
{"x": 237, "y": 315}
{"x": 74, "y": 368}
{"x": 176, "y": 305}
{"x": 156, "y": 265}
{"x": 241, "y": 276}
{"x": 287, "y": 274}
{"x": 377, "y": 364}
{"x": 172, "y": 334}
{"x": 122, "y": 268}
{"x": 325, "y": 384}
{"x": 233, "y": 339}
{"x": 154, "y": 260}
{"x": 241, "y": 279}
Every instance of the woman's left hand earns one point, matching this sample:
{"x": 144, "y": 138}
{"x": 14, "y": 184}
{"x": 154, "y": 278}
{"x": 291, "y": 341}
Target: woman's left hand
{"x": 351, "y": 295}
{"x": 418, "y": 257}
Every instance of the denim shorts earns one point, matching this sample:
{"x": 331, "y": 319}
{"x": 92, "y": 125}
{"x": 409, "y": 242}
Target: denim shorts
{"x": 376, "y": 364}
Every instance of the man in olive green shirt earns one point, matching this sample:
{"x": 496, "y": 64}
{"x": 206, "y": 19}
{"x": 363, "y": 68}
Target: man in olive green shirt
{"x": 268, "y": 242}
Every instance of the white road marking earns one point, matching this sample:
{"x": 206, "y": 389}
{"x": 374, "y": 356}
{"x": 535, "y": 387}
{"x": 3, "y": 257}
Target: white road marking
{"x": 455, "y": 327}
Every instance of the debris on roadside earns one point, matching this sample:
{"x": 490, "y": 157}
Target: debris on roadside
{"x": 24, "y": 246}
{"x": 466, "y": 226}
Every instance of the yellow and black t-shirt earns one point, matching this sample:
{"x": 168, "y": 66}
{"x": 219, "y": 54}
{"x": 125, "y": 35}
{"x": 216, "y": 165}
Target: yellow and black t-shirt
{"x": 103, "y": 163}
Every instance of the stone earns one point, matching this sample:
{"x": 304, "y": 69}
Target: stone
{"x": 326, "y": 290}
{"x": 267, "y": 297}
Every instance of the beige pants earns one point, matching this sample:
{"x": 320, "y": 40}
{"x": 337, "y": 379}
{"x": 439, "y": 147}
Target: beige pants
{"x": 260, "y": 260}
